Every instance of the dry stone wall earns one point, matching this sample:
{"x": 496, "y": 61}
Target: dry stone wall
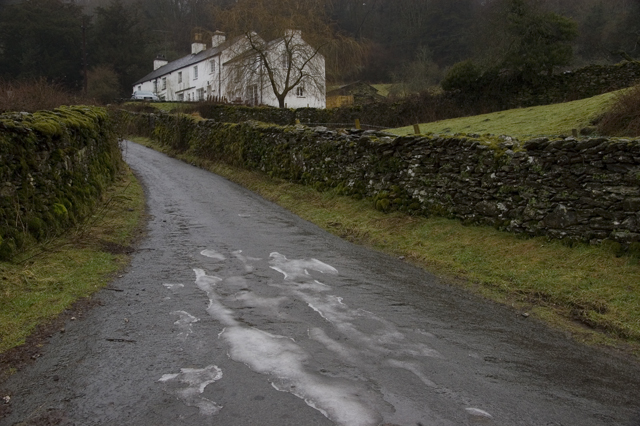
{"x": 53, "y": 168}
{"x": 577, "y": 189}
{"x": 490, "y": 96}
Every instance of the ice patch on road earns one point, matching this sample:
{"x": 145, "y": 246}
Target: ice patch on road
{"x": 249, "y": 299}
{"x": 344, "y": 352}
{"x": 298, "y": 268}
{"x": 315, "y": 286}
{"x": 478, "y": 412}
{"x": 415, "y": 369}
{"x": 172, "y": 286}
{"x": 281, "y": 357}
{"x": 196, "y": 380}
{"x": 246, "y": 261}
{"x": 285, "y": 361}
{"x": 352, "y": 337}
{"x": 207, "y": 284}
{"x": 212, "y": 254}
{"x": 185, "y": 323}
{"x": 379, "y": 335}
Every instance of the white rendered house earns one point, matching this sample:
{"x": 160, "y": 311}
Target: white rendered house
{"x": 244, "y": 70}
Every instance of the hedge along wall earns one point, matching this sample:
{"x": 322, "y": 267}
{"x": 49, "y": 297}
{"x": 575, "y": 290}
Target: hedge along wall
{"x": 581, "y": 190}
{"x": 53, "y": 168}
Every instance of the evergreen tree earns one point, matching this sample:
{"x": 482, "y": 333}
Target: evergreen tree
{"x": 523, "y": 41}
{"x": 119, "y": 41}
{"x": 42, "y": 38}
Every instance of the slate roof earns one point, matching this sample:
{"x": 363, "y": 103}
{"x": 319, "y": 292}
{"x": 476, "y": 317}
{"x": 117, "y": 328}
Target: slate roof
{"x": 250, "y": 52}
{"x": 184, "y": 62}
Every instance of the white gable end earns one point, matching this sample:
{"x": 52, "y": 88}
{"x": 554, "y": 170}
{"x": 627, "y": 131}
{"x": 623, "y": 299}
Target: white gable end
{"x": 209, "y": 74}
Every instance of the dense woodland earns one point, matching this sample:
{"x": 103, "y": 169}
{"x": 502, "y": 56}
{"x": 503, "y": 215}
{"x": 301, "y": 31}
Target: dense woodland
{"x": 411, "y": 42}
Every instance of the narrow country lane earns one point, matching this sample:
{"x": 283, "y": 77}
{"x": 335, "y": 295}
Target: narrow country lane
{"x": 235, "y": 312}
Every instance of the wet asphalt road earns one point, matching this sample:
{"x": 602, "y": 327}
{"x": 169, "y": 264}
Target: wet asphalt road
{"x": 235, "y": 312}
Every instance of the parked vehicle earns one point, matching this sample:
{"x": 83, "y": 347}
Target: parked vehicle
{"x": 147, "y": 96}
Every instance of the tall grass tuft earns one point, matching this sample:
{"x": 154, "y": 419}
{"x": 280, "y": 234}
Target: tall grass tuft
{"x": 623, "y": 118}
{"x": 34, "y": 95}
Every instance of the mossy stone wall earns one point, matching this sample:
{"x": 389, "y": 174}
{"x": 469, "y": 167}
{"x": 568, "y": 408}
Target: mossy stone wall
{"x": 575, "y": 189}
{"x": 53, "y": 168}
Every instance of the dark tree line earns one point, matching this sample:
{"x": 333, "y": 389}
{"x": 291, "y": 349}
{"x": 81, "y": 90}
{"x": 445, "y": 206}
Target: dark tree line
{"x": 413, "y": 42}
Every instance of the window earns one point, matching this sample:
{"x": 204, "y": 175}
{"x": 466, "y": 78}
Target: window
{"x": 252, "y": 95}
{"x": 139, "y": 88}
{"x": 164, "y": 83}
{"x": 300, "y": 91}
{"x": 181, "y": 97}
{"x": 195, "y": 72}
{"x": 180, "y": 79}
{"x": 200, "y": 94}
{"x": 213, "y": 66}
{"x": 155, "y": 86}
{"x": 285, "y": 60}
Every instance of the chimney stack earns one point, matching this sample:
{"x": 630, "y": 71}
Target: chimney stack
{"x": 160, "y": 61}
{"x": 197, "y": 46}
{"x": 217, "y": 39}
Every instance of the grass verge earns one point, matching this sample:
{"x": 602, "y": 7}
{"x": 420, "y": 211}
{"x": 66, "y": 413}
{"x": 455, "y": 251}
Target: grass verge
{"x": 555, "y": 119}
{"x": 583, "y": 289}
{"x": 41, "y": 283}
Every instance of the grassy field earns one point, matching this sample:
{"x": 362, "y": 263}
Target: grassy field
{"x": 39, "y": 284}
{"x": 523, "y": 123}
{"x": 584, "y": 289}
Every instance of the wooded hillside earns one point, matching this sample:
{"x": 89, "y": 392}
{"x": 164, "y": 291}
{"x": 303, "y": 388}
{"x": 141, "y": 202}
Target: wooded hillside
{"x": 408, "y": 41}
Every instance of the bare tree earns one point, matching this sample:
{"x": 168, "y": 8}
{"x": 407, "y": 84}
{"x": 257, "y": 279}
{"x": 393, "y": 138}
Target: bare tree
{"x": 289, "y": 45}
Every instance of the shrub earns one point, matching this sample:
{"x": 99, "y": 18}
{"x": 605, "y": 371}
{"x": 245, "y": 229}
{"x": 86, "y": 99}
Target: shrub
{"x": 103, "y": 84}
{"x": 33, "y": 95}
{"x": 461, "y": 76}
{"x": 623, "y": 118}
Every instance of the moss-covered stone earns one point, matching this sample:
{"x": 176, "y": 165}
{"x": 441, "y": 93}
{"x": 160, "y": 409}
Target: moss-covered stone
{"x": 54, "y": 165}
{"x": 560, "y": 187}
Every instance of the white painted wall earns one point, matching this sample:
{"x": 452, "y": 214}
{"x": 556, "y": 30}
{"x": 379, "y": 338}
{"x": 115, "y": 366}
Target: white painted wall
{"x": 312, "y": 92}
{"x": 210, "y": 78}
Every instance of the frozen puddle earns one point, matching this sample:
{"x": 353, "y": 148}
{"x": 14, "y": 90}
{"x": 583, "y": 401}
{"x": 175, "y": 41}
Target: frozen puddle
{"x": 184, "y": 323}
{"x": 189, "y": 384}
{"x": 352, "y": 339}
{"x": 298, "y": 269}
{"x": 212, "y": 254}
{"x": 172, "y": 286}
{"x": 284, "y": 360}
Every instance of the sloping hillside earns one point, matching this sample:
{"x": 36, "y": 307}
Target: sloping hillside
{"x": 524, "y": 123}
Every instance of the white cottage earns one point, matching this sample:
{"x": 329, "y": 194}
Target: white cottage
{"x": 233, "y": 70}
